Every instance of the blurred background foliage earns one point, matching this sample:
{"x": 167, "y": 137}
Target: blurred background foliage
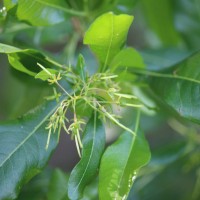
{"x": 164, "y": 32}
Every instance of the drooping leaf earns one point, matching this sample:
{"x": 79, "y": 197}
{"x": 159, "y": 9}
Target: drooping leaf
{"x": 85, "y": 170}
{"x": 25, "y": 60}
{"x": 127, "y": 57}
{"x": 179, "y": 87}
{"x": 107, "y": 35}
{"x": 22, "y": 149}
{"x": 120, "y": 164}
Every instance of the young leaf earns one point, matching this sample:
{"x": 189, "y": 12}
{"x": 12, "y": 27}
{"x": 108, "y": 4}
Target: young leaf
{"x": 179, "y": 87}
{"x": 43, "y": 74}
{"x": 22, "y": 149}
{"x": 85, "y": 170}
{"x": 120, "y": 164}
{"x": 26, "y": 60}
{"x": 127, "y": 57}
{"x": 107, "y": 35}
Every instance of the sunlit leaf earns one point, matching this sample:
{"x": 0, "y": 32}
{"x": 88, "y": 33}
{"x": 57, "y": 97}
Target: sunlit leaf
{"x": 107, "y": 35}
{"x": 43, "y": 75}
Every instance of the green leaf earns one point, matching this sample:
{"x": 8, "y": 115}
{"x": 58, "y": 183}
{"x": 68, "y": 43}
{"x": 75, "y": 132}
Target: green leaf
{"x": 179, "y": 87}
{"x": 22, "y": 149}
{"x": 58, "y": 186}
{"x": 157, "y": 174}
{"x": 37, "y": 187}
{"x": 120, "y": 164}
{"x": 4, "y": 48}
{"x": 26, "y": 60}
{"x": 42, "y": 12}
{"x": 107, "y": 35}
{"x": 159, "y": 16}
{"x": 128, "y": 57}
{"x": 43, "y": 74}
{"x": 9, "y": 4}
{"x": 85, "y": 170}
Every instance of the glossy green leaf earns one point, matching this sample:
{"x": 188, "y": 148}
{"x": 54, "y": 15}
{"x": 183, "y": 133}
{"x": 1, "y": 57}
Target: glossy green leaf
{"x": 58, "y": 186}
{"x": 22, "y": 149}
{"x": 179, "y": 87}
{"x": 86, "y": 169}
{"x": 107, "y": 35}
{"x": 120, "y": 164}
{"x": 127, "y": 57}
{"x": 25, "y": 60}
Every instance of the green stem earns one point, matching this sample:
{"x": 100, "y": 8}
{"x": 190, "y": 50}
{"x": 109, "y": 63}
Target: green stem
{"x": 63, "y": 89}
{"x": 109, "y": 116}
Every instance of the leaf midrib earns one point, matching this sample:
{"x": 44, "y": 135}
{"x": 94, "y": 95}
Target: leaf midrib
{"x": 26, "y": 138}
{"x": 132, "y": 143}
{"x": 110, "y": 43}
{"x": 94, "y": 131}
